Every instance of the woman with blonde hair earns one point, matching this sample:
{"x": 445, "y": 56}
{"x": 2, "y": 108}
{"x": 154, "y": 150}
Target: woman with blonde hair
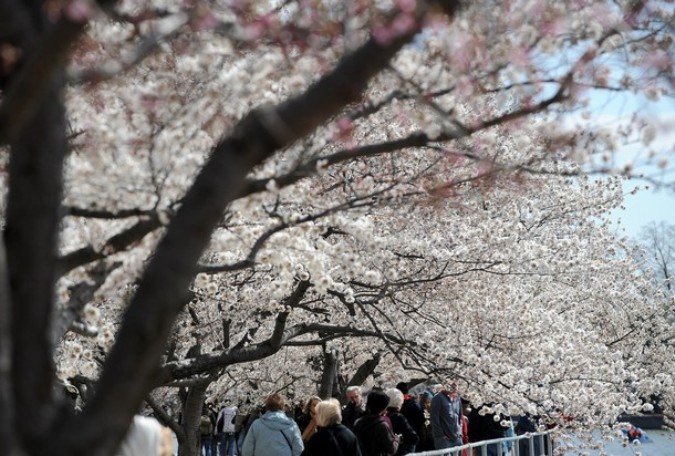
{"x": 332, "y": 438}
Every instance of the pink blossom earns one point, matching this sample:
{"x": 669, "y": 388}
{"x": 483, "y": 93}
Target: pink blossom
{"x": 407, "y": 6}
{"x": 206, "y": 21}
{"x": 604, "y": 15}
{"x": 554, "y": 27}
{"x": 383, "y": 35}
{"x": 465, "y": 86}
{"x": 659, "y": 60}
{"x": 78, "y": 11}
{"x": 254, "y": 31}
{"x": 404, "y": 23}
{"x": 345, "y": 124}
{"x": 519, "y": 56}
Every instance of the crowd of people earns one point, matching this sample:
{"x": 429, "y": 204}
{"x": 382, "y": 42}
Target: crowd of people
{"x": 388, "y": 422}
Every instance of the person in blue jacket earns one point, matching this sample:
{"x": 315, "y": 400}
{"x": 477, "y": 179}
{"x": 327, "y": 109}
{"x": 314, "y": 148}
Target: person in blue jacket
{"x": 446, "y": 418}
{"x": 274, "y": 433}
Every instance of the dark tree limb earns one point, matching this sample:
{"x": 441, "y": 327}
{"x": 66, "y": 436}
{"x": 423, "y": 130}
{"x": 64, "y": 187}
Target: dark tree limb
{"x": 35, "y": 189}
{"x": 80, "y": 295}
{"x": 192, "y": 412}
{"x": 242, "y": 354}
{"x": 18, "y": 30}
{"x": 7, "y": 437}
{"x": 165, "y": 418}
{"x": 106, "y": 214}
{"x": 329, "y": 374}
{"x": 365, "y": 369}
{"x": 117, "y": 243}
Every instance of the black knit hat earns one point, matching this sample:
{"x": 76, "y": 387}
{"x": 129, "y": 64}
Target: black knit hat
{"x": 402, "y": 387}
{"x": 377, "y": 401}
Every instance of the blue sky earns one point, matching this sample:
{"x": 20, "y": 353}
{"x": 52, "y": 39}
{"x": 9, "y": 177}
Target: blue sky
{"x": 643, "y": 208}
{"x": 655, "y": 204}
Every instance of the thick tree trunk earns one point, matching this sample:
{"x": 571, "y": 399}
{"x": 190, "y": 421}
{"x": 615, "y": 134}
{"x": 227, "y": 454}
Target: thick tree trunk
{"x": 361, "y": 374}
{"x": 31, "y": 242}
{"x": 328, "y": 378}
{"x": 192, "y": 412}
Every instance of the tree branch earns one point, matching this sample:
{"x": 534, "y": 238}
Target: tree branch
{"x": 108, "y": 215}
{"x": 115, "y": 244}
{"x": 80, "y": 295}
{"x": 283, "y": 337}
{"x": 165, "y": 418}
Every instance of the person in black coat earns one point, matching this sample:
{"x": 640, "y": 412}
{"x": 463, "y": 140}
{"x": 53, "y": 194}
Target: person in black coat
{"x": 354, "y": 408}
{"x": 414, "y": 413}
{"x": 408, "y": 436}
{"x": 483, "y": 426}
{"x": 331, "y": 438}
{"x": 374, "y": 432}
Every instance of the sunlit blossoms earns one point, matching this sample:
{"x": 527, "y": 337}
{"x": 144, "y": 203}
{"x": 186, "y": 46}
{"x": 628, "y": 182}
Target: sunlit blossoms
{"x": 481, "y": 269}
{"x": 263, "y": 195}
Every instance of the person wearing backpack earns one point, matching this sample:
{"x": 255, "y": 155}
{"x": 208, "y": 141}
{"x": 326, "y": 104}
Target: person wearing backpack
{"x": 206, "y": 426}
{"x": 399, "y": 423}
{"x": 374, "y": 431}
{"x": 225, "y": 430}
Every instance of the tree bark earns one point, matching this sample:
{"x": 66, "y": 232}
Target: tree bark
{"x": 31, "y": 239}
{"x": 330, "y": 363}
{"x": 6, "y": 400}
{"x": 365, "y": 369}
{"x": 192, "y": 412}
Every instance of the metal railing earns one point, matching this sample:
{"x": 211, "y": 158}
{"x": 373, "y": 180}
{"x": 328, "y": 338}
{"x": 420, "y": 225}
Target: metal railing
{"x": 530, "y": 444}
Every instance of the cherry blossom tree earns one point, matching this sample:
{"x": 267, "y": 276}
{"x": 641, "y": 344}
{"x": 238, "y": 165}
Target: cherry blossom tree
{"x": 191, "y": 186}
{"x": 657, "y": 241}
{"x": 654, "y": 253}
